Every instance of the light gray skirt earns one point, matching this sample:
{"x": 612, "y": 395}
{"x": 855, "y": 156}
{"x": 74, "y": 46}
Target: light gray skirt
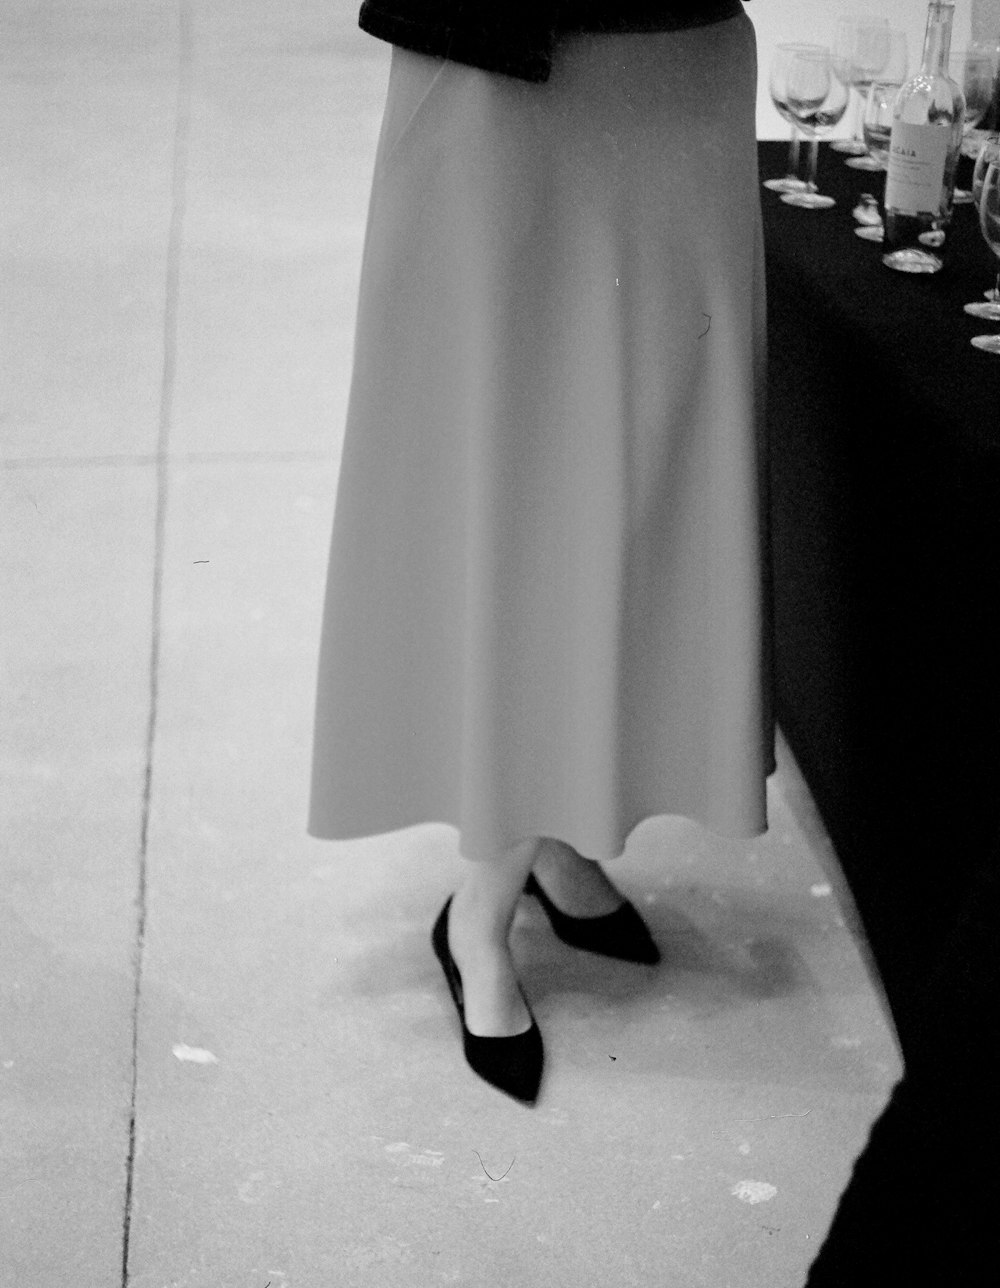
{"x": 548, "y": 610}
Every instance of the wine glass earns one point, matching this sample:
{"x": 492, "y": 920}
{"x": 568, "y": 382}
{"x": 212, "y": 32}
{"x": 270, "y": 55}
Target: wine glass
{"x": 989, "y": 224}
{"x": 975, "y": 69}
{"x": 843, "y": 65}
{"x": 974, "y": 135}
{"x": 892, "y": 72}
{"x": 988, "y": 153}
{"x": 877, "y": 120}
{"x": 817, "y": 100}
{"x": 859, "y": 50}
{"x": 778, "y": 91}
{"x": 877, "y": 127}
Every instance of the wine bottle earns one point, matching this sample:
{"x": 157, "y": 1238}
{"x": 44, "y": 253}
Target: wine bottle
{"x": 924, "y": 147}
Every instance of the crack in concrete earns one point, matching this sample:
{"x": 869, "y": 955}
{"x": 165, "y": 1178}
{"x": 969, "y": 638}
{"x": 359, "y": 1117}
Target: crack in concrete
{"x": 182, "y": 132}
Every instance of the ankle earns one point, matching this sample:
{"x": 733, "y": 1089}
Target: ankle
{"x": 557, "y": 857}
{"x": 477, "y": 923}
{"x": 579, "y": 887}
{"x": 483, "y": 906}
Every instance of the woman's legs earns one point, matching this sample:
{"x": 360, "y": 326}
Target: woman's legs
{"x": 479, "y": 922}
{"x": 577, "y": 886}
{"x": 482, "y": 912}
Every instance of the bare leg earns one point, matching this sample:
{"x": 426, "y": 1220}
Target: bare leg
{"x": 577, "y": 886}
{"x": 482, "y": 912}
{"x": 479, "y": 922}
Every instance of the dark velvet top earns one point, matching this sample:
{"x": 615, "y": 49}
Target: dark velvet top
{"x": 518, "y": 37}
{"x": 642, "y": 15}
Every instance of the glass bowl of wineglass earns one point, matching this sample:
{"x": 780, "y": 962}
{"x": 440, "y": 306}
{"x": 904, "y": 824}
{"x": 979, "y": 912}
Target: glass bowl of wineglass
{"x": 989, "y": 152}
{"x": 856, "y": 44}
{"x": 817, "y": 100}
{"x": 974, "y": 136}
{"x": 989, "y": 224}
{"x": 975, "y": 69}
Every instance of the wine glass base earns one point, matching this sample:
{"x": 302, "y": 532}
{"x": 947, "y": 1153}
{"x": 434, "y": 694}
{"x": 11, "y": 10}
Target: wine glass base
{"x": 850, "y": 146}
{"x": 787, "y": 184}
{"x": 912, "y": 261}
{"x": 872, "y": 233}
{"x": 988, "y": 312}
{"x": 808, "y": 200}
{"x": 863, "y": 163}
{"x": 988, "y": 343}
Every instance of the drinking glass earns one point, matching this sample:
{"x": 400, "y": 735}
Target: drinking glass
{"x": 892, "y": 72}
{"x": 989, "y": 152}
{"x": 778, "y": 90}
{"x": 989, "y": 224}
{"x": 817, "y": 100}
{"x": 974, "y": 135}
{"x": 975, "y": 69}
{"x": 877, "y": 126}
{"x": 858, "y": 52}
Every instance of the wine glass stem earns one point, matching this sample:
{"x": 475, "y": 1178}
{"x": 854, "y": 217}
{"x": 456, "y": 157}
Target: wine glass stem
{"x": 793, "y": 154}
{"x": 859, "y": 104}
{"x": 813, "y": 153}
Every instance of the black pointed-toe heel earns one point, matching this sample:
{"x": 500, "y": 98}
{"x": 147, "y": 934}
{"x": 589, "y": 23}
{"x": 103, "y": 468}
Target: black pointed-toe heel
{"x": 513, "y": 1064}
{"x": 622, "y": 933}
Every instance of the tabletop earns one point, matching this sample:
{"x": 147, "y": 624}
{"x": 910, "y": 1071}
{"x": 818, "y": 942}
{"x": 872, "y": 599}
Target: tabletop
{"x": 912, "y": 326}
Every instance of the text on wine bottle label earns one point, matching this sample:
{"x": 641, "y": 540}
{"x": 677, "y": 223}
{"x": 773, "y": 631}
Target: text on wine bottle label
{"x": 917, "y": 158}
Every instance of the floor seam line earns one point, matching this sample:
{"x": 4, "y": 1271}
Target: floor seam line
{"x": 170, "y": 311}
{"x": 290, "y": 457}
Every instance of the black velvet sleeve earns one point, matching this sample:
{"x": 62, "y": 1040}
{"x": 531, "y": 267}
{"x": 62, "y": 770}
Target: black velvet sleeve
{"x": 516, "y": 37}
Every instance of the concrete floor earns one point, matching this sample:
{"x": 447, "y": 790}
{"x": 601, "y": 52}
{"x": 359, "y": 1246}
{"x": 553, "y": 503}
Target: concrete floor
{"x": 228, "y": 1058}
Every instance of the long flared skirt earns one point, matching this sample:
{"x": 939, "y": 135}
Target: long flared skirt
{"x": 548, "y": 607}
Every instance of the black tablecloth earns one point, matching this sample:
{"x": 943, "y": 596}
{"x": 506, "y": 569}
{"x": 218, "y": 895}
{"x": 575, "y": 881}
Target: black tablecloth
{"x": 885, "y": 531}
{"x": 885, "y": 512}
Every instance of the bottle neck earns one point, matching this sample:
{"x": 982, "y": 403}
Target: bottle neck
{"x": 937, "y": 38}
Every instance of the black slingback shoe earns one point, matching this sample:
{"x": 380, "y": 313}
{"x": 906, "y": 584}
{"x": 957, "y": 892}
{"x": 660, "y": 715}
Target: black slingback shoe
{"x": 622, "y": 933}
{"x": 513, "y": 1064}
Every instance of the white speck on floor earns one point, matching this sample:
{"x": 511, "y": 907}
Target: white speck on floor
{"x": 754, "y": 1191}
{"x": 194, "y": 1055}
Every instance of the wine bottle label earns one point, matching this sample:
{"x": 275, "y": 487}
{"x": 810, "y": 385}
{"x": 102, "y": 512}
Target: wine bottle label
{"x": 917, "y": 158}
